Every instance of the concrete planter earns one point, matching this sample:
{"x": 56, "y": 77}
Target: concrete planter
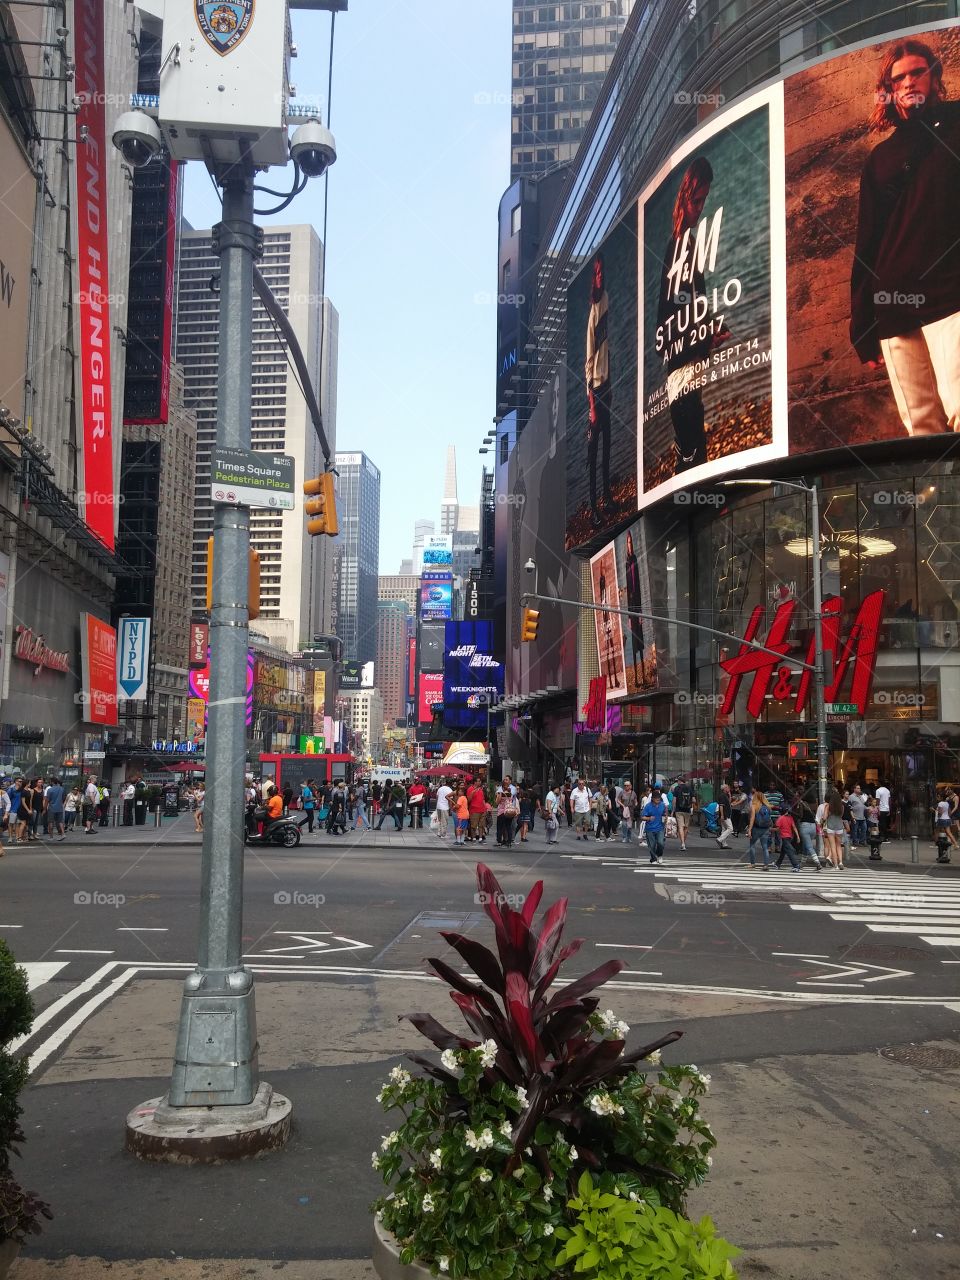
{"x": 386, "y": 1258}
{"x": 8, "y": 1256}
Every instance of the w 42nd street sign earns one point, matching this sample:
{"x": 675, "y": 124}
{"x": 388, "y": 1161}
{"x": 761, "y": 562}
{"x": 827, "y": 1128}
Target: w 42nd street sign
{"x": 842, "y": 709}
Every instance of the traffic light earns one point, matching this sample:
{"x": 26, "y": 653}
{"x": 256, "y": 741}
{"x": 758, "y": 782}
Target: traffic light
{"x": 322, "y": 506}
{"x": 529, "y": 624}
{"x": 253, "y": 581}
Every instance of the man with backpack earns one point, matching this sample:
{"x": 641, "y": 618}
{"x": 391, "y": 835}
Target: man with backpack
{"x": 682, "y": 795}
{"x": 654, "y": 815}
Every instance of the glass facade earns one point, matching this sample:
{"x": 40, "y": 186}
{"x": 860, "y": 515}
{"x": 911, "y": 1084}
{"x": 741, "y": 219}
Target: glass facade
{"x": 561, "y": 55}
{"x": 358, "y": 507}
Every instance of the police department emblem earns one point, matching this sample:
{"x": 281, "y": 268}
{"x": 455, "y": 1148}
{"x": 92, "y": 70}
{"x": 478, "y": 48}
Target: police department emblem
{"x": 224, "y": 23}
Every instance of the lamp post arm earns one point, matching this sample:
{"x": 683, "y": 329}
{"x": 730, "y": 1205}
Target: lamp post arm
{"x": 673, "y": 622}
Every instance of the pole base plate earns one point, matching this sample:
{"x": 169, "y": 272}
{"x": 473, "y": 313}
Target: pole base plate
{"x": 208, "y": 1135}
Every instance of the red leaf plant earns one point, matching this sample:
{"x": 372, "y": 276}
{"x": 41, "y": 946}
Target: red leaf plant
{"x": 546, "y": 1041}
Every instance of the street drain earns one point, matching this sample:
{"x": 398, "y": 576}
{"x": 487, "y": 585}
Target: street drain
{"x": 925, "y": 1057}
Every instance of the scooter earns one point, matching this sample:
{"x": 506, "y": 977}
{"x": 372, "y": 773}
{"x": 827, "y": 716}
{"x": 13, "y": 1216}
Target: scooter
{"x": 285, "y": 831}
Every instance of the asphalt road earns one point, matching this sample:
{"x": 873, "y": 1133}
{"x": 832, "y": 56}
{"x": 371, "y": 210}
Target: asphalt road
{"x": 767, "y": 973}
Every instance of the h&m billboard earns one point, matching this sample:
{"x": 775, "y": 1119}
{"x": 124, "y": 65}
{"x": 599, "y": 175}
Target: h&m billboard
{"x": 795, "y": 286}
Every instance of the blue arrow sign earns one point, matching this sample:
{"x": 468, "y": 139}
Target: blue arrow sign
{"x": 134, "y": 657}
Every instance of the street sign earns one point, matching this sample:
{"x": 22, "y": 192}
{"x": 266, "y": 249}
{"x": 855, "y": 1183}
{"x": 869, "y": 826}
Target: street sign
{"x": 245, "y": 478}
{"x": 94, "y": 755}
{"x": 842, "y": 709}
{"x": 134, "y": 657}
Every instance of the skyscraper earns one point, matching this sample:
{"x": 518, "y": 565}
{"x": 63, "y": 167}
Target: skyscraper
{"x": 561, "y": 53}
{"x": 449, "y": 506}
{"x": 358, "y": 506}
{"x": 295, "y": 569}
{"x": 391, "y": 666}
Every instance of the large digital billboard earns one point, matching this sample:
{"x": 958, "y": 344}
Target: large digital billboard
{"x": 472, "y": 678}
{"x": 872, "y": 140}
{"x": 601, "y": 437}
{"x": 430, "y": 693}
{"x": 706, "y": 225}
{"x": 436, "y": 600}
{"x": 609, "y": 626}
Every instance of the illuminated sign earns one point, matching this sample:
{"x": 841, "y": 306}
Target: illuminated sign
{"x": 860, "y": 648}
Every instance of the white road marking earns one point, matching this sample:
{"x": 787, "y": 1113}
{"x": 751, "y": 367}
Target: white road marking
{"x": 308, "y": 943}
{"x": 66, "y": 1030}
{"x": 624, "y": 946}
{"x": 129, "y": 928}
{"x": 73, "y": 951}
{"x": 11, "y": 926}
{"x": 41, "y": 971}
{"x": 52, "y": 1011}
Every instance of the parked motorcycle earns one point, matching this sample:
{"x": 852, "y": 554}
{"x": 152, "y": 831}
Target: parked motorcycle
{"x": 285, "y": 831}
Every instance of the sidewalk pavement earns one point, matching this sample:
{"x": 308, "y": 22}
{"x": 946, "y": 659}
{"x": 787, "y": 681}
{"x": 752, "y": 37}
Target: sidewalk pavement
{"x": 180, "y": 831}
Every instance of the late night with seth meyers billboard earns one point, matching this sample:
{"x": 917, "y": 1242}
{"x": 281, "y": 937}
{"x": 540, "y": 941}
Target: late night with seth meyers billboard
{"x": 792, "y": 286}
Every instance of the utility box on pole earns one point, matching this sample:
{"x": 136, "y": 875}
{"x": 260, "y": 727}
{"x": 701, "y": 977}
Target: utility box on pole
{"x": 225, "y": 81}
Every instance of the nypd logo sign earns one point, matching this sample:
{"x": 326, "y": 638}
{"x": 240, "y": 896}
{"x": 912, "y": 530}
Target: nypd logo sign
{"x": 224, "y": 23}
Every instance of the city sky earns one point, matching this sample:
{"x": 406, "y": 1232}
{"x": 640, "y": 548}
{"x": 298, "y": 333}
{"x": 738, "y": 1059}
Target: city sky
{"x": 421, "y": 116}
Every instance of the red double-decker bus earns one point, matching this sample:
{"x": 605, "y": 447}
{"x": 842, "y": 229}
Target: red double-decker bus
{"x": 284, "y": 768}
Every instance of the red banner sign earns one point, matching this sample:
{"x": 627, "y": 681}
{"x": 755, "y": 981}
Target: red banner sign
{"x": 595, "y": 708}
{"x": 98, "y": 661}
{"x": 431, "y": 691}
{"x": 93, "y": 277}
{"x": 859, "y": 649}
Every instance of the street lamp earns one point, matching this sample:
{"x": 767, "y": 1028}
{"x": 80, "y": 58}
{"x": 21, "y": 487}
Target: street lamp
{"x": 819, "y": 679}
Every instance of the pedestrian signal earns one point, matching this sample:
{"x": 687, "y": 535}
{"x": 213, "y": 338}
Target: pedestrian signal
{"x": 321, "y": 509}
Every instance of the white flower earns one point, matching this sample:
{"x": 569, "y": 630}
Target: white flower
{"x": 484, "y": 1175}
{"x": 478, "y": 1141}
{"x": 705, "y": 1080}
{"x": 602, "y": 1104}
{"x": 380, "y": 1095}
{"x": 506, "y": 1128}
{"x": 375, "y": 1160}
{"x": 634, "y": 1196}
{"x": 436, "y": 1158}
{"x": 613, "y": 1027}
{"x": 548, "y": 1229}
{"x": 528, "y": 1151}
{"x": 449, "y": 1059}
{"x": 388, "y": 1140}
{"x": 574, "y": 1154}
{"x": 518, "y": 1173}
{"x": 379, "y": 1215}
{"x": 427, "y": 1205}
{"x": 709, "y": 1162}
{"x": 548, "y": 1193}
{"x": 488, "y": 1053}
{"x": 443, "y": 1263}
{"x": 399, "y": 1076}
{"x": 656, "y": 1057}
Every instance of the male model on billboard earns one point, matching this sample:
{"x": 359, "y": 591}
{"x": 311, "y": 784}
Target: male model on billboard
{"x": 905, "y": 283}
{"x": 599, "y": 395}
{"x": 679, "y": 290}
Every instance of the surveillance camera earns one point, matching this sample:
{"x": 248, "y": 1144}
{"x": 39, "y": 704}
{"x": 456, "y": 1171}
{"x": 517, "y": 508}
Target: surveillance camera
{"x": 313, "y": 148}
{"x": 137, "y": 137}
{"x": 530, "y": 566}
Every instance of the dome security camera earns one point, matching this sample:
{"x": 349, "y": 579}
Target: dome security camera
{"x": 137, "y": 137}
{"x": 530, "y": 566}
{"x": 313, "y": 148}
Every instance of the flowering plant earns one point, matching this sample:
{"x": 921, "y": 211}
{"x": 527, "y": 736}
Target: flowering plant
{"x": 493, "y": 1140}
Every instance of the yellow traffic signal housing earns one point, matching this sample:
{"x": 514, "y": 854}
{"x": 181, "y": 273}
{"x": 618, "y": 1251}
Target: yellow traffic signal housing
{"x": 253, "y": 581}
{"x": 529, "y": 624}
{"x": 321, "y": 510}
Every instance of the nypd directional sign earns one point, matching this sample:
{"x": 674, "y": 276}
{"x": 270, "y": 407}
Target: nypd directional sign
{"x": 134, "y": 663}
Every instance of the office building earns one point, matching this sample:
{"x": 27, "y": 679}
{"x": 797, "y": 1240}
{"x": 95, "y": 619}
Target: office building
{"x": 295, "y": 569}
{"x": 561, "y": 53}
{"x": 449, "y": 506}
{"x": 358, "y": 506}
{"x": 400, "y": 586}
{"x": 391, "y": 666}
{"x": 363, "y": 712}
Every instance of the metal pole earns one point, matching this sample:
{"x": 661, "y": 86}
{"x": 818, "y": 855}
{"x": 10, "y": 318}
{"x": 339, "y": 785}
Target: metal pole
{"x": 216, "y": 1055}
{"x": 823, "y": 742}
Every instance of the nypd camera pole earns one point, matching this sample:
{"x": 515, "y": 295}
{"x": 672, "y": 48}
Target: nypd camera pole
{"x": 219, "y": 104}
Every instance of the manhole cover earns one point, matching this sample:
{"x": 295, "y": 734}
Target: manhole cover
{"x": 925, "y": 1057}
{"x": 884, "y": 954}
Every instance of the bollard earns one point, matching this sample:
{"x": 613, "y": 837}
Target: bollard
{"x": 115, "y": 812}
{"x": 914, "y": 849}
{"x": 158, "y": 817}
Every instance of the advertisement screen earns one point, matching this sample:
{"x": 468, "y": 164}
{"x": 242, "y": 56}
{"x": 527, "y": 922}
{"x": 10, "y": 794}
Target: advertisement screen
{"x": 471, "y": 677}
{"x": 601, "y": 435}
{"x": 436, "y": 600}
{"x": 436, "y": 554}
{"x": 350, "y": 675}
{"x": 609, "y": 626}
{"x": 432, "y": 646}
{"x": 706, "y": 227}
{"x": 873, "y": 256}
{"x": 98, "y": 660}
{"x": 431, "y": 691}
